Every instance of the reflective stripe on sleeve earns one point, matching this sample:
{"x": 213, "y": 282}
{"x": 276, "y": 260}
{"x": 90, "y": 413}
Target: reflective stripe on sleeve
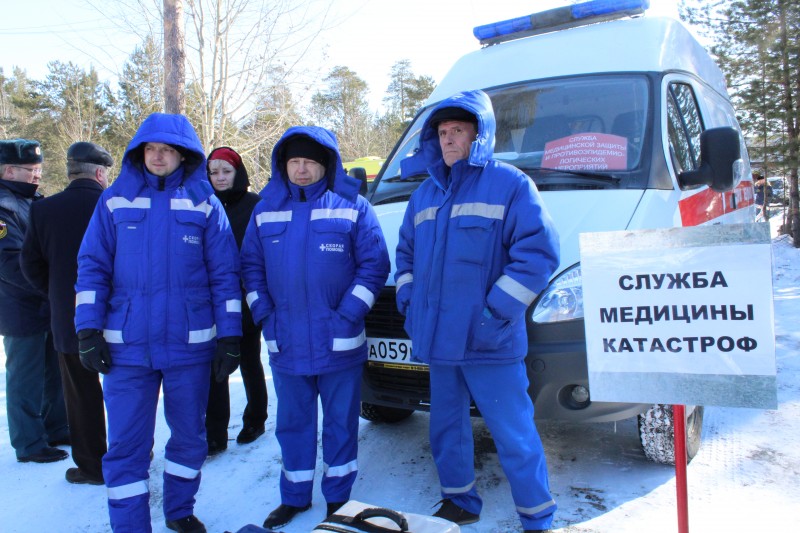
{"x": 184, "y": 204}
{"x": 344, "y": 212}
{"x": 233, "y": 306}
{"x": 364, "y": 294}
{"x": 425, "y": 214}
{"x": 118, "y": 202}
{"x": 408, "y": 277}
{"x": 298, "y": 476}
{"x": 113, "y": 336}
{"x": 179, "y": 470}
{"x": 340, "y": 345}
{"x": 251, "y": 298}
{"x": 342, "y": 470}
{"x": 85, "y": 297}
{"x": 273, "y": 216}
{"x": 478, "y": 209}
{"x": 128, "y": 491}
{"x": 515, "y": 289}
{"x": 202, "y": 335}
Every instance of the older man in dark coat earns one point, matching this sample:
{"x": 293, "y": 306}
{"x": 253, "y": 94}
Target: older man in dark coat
{"x": 34, "y": 401}
{"x": 49, "y": 262}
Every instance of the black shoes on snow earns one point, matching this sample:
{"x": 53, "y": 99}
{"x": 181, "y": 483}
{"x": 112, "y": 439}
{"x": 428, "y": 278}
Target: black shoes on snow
{"x": 333, "y": 507}
{"x": 283, "y": 514}
{"x": 79, "y": 477}
{"x": 249, "y": 433}
{"x": 454, "y": 513}
{"x": 216, "y": 447}
{"x": 45, "y": 455}
{"x": 189, "y": 524}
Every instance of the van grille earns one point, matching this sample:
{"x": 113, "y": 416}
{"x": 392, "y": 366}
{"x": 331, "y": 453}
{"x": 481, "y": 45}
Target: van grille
{"x": 384, "y": 321}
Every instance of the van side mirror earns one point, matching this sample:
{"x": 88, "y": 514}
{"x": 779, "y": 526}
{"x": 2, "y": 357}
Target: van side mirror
{"x": 360, "y": 173}
{"x": 720, "y": 161}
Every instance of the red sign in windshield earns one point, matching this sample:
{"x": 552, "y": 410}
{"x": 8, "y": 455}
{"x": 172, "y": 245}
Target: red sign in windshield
{"x": 587, "y": 151}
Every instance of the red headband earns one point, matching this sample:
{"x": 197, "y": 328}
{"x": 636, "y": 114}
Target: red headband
{"x": 227, "y": 154}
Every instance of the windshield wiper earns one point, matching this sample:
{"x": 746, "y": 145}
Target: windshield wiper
{"x": 410, "y": 179}
{"x": 605, "y": 177}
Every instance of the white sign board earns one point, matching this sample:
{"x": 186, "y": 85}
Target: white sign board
{"x": 680, "y": 316}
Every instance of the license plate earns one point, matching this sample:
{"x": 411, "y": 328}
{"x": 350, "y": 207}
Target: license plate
{"x": 390, "y": 350}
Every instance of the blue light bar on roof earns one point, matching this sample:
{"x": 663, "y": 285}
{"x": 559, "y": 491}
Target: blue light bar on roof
{"x": 559, "y": 18}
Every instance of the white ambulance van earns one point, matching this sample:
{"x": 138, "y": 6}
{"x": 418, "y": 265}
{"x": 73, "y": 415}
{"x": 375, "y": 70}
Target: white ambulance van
{"x": 623, "y": 122}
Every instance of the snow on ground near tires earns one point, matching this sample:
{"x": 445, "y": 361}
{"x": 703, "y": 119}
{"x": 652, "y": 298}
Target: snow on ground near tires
{"x": 744, "y": 477}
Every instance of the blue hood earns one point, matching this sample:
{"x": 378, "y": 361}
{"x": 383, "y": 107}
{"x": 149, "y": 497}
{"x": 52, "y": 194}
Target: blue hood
{"x": 429, "y": 155}
{"x": 338, "y": 180}
{"x": 175, "y": 130}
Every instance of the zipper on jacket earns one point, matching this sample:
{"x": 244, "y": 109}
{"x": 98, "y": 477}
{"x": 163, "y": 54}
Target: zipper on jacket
{"x": 302, "y": 195}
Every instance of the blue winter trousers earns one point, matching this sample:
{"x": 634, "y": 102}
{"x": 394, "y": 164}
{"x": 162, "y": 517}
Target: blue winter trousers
{"x": 34, "y": 396}
{"x": 501, "y": 394}
{"x": 131, "y": 397}
{"x": 296, "y": 430}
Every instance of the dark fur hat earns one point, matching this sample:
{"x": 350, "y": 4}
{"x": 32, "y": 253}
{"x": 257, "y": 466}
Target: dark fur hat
{"x": 20, "y": 152}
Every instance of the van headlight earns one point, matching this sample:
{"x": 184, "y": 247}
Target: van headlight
{"x": 563, "y": 298}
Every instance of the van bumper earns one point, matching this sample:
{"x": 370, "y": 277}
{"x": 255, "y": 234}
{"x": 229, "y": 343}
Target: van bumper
{"x": 556, "y": 363}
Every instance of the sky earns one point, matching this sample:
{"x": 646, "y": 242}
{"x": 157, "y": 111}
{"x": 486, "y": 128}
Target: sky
{"x": 368, "y": 36}
{"x": 743, "y": 479}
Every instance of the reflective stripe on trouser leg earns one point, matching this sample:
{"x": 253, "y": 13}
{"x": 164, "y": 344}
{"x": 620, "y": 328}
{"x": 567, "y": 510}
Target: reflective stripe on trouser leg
{"x": 451, "y": 437}
{"x": 296, "y": 431}
{"x": 501, "y": 394}
{"x": 185, "y": 397}
{"x": 340, "y": 393}
{"x": 131, "y": 396}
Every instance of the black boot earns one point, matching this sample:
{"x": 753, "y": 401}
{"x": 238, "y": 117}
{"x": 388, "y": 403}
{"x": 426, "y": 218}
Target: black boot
{"x": 334, "y": 506}
{"x": 454, "y": 513}
{"x": 283, "y": 514}
{"x": 188, "y": 524}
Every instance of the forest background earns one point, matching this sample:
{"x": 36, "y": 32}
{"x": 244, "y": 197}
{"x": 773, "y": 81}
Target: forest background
{"x": 246, "y": 82}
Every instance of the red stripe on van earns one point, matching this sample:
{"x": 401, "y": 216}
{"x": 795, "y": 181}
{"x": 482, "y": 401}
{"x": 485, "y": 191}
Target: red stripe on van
{"x": 708, "y": 205}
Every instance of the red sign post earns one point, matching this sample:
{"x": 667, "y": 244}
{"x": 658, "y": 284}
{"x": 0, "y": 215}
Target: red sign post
{"x": 679, "y": 419}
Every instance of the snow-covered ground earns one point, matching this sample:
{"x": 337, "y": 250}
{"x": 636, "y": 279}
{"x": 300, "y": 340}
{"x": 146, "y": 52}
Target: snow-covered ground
{"x": 744, "y": 479}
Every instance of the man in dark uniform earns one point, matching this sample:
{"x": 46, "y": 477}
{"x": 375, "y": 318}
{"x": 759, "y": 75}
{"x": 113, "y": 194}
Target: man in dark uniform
{"x": 34, "y": 400}
{"x": 50, "y": 263}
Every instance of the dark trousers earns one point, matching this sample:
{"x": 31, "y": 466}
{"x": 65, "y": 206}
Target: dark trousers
{"x": 83, "y": 396}
{"x": 34, "y": 398}
{"x": 218, "y": 413}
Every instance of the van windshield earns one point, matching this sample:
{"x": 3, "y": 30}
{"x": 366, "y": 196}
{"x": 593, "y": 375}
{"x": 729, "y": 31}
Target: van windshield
{"x": 566, "y": 134}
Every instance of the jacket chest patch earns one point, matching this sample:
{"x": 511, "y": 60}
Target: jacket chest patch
{"x": 191, "y": 239}
{"x": 332, "y": 247}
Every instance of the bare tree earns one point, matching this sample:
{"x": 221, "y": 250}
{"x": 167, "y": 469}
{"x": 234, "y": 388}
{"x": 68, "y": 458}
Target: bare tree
{"x": 243, "y": 73}
{"x": 174, "y": 58}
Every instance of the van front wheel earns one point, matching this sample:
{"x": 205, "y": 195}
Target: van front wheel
{"x": 657, "y": 433}
{"x": 380, "y": 413}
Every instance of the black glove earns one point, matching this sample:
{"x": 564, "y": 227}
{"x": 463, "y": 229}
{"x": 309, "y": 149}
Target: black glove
{"x": 94, "y": 352}
{"x": 227, "y": 358}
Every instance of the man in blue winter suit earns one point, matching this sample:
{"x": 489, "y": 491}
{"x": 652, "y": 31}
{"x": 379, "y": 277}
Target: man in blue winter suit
{"x": 157, "y": 299}
{"x": 476, "y": 246}
{"x": 313, "y": 261}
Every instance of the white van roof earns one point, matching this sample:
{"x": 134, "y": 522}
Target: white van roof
{"x": 642, "y": 44}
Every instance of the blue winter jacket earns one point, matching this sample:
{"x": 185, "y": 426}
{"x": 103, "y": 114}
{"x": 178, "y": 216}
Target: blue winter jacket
{"x": 158, "y": 270}
{"x": 476, "y": 247}
{"x": 313, "y": 261}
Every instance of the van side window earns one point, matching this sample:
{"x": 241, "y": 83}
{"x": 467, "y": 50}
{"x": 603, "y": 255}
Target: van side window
{"x": 684, "y": 125}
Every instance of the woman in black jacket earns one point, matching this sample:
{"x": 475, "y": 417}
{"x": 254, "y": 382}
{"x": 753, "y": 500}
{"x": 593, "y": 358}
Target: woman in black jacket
{"x": 228, "y": 176}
